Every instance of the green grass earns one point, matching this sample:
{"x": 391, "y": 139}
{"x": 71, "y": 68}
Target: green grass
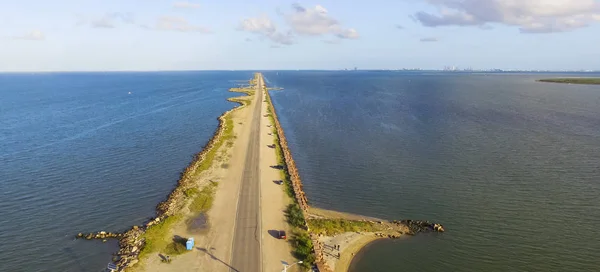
{"x": 156, "y": 235}
{"x": 212, "y": 153}
{"x": 294, "y": 216}
{"x": 573, "y": 80}
{"x": 175, "y": 248}
{"x": 336, "y": 226}
{"x": 191, "y": 192}
{"x": 203, "y": 200}
{"x": 303, "y": 248}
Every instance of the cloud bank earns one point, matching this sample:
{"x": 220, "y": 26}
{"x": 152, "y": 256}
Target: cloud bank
{"x": 34, "y": 35}
{"x": 317, "y": 21}
{"x": 530, "y": 16}
{"x": 314, "y": 21}
{"x": 109, "y": 20}
{"x": 265, "y": 28}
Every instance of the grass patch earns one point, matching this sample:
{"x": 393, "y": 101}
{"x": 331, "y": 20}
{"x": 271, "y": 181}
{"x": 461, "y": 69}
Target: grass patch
{"x": 303, "y": 248}
{"x": 591, "y": 80}
{"x": 156, "y": 235}
{"x": 294, "y": 215}
{"x": 204, "y": 199}
{"x": 176, "y": 247}
{"x": 191, "y": 192}
{"x": 211, "y": 154}
{"x": 331, "y": 227}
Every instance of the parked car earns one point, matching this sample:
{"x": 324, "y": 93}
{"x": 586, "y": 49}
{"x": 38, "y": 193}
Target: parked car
{"x": 282, "y": 234}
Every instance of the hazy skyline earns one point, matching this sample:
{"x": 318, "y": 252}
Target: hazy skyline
{"x": 86, "y": 35}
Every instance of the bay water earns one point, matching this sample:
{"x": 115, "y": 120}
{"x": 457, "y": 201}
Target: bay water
{"x": 510, "y": 166}
{"x": 84, "y": 152}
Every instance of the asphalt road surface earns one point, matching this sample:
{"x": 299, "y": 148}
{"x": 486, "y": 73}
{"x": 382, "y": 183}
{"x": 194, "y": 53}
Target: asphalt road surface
{"x": 246, "y": 253}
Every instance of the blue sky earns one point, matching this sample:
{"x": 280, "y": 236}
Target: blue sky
{"x": 95, "y": 35}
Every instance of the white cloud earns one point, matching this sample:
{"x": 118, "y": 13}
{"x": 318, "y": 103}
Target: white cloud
{"x": 186, "y": 5}
{"x": 430, "y": 39}
{"x": 317, "y": 21}
{"x": 108, "y": 20}
{"x": 260, "y": 25}
{"x": 530, "y": 16}
{"x": 313, "y": 21}
{"x": 34, "y": 35}
{"x": 332, "y": 41}
{"x": 265, "y": 28}
{"x": 173, "y": 23}
{"x": 349, "y": 33}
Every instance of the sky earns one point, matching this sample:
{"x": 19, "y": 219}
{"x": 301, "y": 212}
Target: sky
{"x": 147, "y": 35}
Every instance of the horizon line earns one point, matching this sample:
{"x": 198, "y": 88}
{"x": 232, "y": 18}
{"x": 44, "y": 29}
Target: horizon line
{"x": 339, "y": 69}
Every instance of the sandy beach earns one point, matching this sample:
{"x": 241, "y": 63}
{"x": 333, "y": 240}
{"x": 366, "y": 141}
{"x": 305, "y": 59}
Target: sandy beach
{"x": 349, "y": 243}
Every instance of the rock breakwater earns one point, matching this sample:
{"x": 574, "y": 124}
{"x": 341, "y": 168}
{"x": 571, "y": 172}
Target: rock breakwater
{"x": 418, "y": 226}
{"x": 296, "y": 183}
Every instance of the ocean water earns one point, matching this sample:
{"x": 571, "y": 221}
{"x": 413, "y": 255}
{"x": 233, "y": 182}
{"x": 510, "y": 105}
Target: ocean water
{"x": 83, "y": 152}
{"x": 509, "y": 166}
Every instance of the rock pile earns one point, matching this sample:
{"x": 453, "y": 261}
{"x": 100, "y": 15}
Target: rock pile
{"x": 418, "y": 226}
{"x": 103, "y": 235}
{"x": 130, "y": 245}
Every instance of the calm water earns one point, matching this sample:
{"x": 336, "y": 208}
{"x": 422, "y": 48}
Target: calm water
{"x": 78, "y": 153}
{"x": 511, "y": 167}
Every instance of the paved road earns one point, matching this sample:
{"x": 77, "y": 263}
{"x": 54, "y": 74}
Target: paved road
{"x": 246, "y": 253}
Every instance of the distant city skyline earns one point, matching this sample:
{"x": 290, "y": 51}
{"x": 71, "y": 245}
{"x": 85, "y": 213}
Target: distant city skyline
{"x": 141, "y": 35}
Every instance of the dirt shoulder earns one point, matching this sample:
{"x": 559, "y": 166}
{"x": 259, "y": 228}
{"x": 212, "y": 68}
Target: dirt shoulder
{"x": 274, "y": 201}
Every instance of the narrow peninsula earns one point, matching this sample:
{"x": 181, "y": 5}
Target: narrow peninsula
{"x": 573, "y": 80}
{"x": 240, "y": 206}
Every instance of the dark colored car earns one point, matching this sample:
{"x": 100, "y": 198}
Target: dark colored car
{"x": 282, "y": 234}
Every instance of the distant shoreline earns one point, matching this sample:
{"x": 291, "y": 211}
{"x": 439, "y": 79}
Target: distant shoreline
{"x": 573, "y": 80}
